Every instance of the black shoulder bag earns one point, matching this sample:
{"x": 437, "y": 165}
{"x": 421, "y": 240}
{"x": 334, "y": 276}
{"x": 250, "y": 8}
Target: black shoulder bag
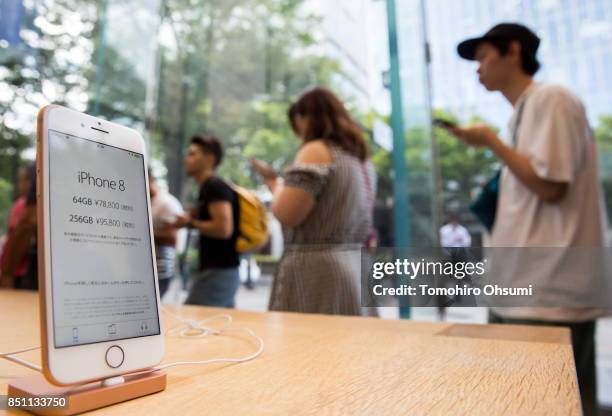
{"x": 484, "y": 207}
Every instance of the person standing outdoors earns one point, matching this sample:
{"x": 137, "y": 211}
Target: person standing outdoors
{"x": 325, "y": 207}
{"x": 454, "y": 235}
{"x": 216, "y": 220}
{"x": 164, "y": 210}
{"x": 549, "y": 190}
{"x": 17, "y": 270}
{"x": 454, "y": 239}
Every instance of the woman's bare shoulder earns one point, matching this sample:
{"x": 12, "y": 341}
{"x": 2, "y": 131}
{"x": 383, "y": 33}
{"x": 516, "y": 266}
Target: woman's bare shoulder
{"x": 314, "y": 151}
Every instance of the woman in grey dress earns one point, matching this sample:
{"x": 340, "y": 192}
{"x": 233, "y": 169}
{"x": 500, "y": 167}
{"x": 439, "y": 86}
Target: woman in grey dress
{"x": 325, "y": 206}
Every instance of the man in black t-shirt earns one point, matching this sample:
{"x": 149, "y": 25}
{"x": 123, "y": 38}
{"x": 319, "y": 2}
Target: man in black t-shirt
{"x": 216, "y": 218}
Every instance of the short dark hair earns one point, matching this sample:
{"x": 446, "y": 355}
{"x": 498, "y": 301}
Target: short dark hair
{"x": 529, "y": 63}
{"x": 209, "y": 144}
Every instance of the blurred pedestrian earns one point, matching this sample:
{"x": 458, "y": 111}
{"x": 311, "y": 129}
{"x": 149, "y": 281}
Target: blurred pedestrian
{"x": 19, "y": 260}
{"x": 549, "y": 190}
{"x": 454, "y": 239}
{"x": 324, "y": 202}
{"x": 164, "y": 210}
{"x": 216, "y": 220}
{"x": 454, "y": 235}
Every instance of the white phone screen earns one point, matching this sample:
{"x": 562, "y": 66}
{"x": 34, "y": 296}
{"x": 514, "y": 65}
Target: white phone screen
{"x": 101, "y": 264}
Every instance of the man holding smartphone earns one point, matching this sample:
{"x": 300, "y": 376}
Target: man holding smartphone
{"x": 549, "y": 188}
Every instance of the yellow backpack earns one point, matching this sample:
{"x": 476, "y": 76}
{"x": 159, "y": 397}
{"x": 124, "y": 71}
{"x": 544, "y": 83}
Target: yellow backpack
{"x": 253, "y": 221}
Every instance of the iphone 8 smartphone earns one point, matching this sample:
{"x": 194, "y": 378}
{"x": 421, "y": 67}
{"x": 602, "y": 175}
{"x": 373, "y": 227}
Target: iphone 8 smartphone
{"x": 99, "y": 299}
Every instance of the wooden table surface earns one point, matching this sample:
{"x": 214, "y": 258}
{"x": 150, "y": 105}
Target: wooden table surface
{"x": 341, "y": 365}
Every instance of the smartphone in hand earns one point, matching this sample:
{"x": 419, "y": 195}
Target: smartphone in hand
{"x": 445, "y": 124}
{"x": 263, "y": 169}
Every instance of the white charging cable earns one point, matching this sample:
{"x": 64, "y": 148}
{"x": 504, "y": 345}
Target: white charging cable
{"x": 192, "y": 329}
{"x": 9, "y": 356}
{"x": 196, "y": 329}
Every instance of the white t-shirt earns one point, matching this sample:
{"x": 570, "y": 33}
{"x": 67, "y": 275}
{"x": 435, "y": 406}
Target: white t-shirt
{"x": 554, "y": 133}
{"x": 164, "y": 208}
{"x": 454, "y": 235}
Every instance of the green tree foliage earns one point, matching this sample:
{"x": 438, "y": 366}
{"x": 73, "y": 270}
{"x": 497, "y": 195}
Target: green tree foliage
{"x": 122, "y": 93}
{"x": 12, "y": 143}
{"x": 603, "y": 135}
{"x": 55, "y": 63}
{"x": 6, "y": 201}
{"x": 233, "y": 69}
{"x": 46, "y": 66}
{"x": 227, "y": 67}
{"x": 381, "y": 158}
{"x": 463, "y": 168}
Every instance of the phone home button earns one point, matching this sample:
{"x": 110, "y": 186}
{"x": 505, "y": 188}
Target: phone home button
{"x": 114, "y": 356}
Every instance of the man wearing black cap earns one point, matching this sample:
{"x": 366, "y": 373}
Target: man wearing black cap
{"x": 549, "y": 192}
